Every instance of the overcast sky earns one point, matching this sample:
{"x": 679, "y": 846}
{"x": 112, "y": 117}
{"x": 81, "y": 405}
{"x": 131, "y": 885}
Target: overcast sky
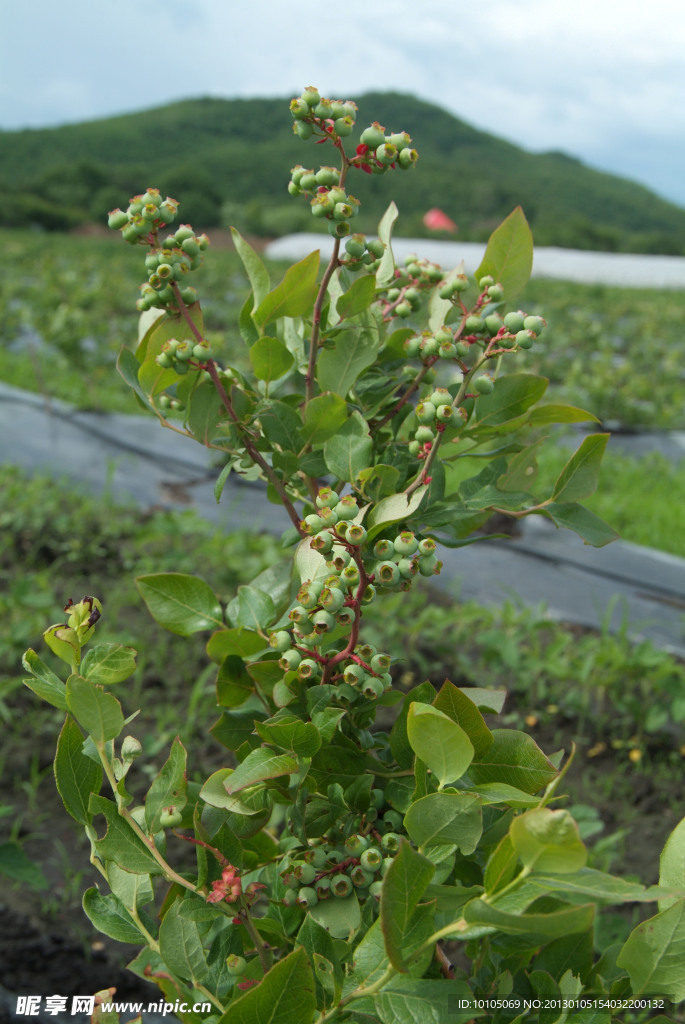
{"x": 603, "y": 80}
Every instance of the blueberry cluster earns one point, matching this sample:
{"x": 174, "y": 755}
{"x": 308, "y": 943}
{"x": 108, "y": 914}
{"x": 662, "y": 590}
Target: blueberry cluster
{"x": 177, "y": 355}
{"x": 168, "y": 261}
{"x": 337, "y": 865}
{"x": 329, "y": 200}
{"x": 358, "y": 673}
{"x": 416, "y": 277}
{"x": 311, "y": 112}
{"x": 378, "y": 152}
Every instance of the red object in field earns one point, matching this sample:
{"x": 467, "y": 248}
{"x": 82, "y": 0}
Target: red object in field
{"x": 436, "y": 220}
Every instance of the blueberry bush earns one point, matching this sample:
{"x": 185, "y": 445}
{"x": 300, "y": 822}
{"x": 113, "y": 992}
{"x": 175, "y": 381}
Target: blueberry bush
{"x": 339, "y": 867}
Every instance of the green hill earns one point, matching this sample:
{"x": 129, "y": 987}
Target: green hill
{"x": 228, "y": 161}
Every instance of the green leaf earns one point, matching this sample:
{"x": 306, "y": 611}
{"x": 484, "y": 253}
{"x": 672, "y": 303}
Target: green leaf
{"x": 128, "y": 367}
{"x": 399, "y": 741}
{"x": 554, "y": 413}
{"x": 281, "y": 425}
{"x": 180, "y": 944}
{"x": 284, "y": 996}
{"x": 418, "y": 1001}
{"x": 257, "y": 273}
{"x": 234, "y": 684}
{"x": 151, "y": 377}
{"x": 439, "y": 742}
{"x": 347, "y": 455}
{"x": 134, "y": 891}
{"x": 445, "y": 819}
{"x": 339, "y": 367}
{"x": 120, "y": 843}
{"x": 357, "y": 298}
{"x": 579, "y": 477}
{"x": 243, "y": 642}
{"x": 516, "y": 759}
{"x": 370, "y": 960}
{"x": 377, "y": 481}
{"x": 76, "y": 775}
{"x": 521, "y": 470}
{"x": 566, "y": 921}
{"x": 339, "y": 917}
{"x": 458, "y": 706}
{"x": 547, "y": 840}
{"x": 182, "y": 604}
{"x": 99, "y": 713}
{"x": 513, "y": 395}
{"x": 168, "y": 789}
{"x": 221, "y": 481}
{"x": 63, "y": 641}
{"x": 258, "y": 766}
{"x": 294, "y": 296}
{"x": 16, "y": 865}
{"x": 44, "y": 683}
{"x": 110, "y": 916}
{"x": 654, "y": 954}
{"x": 672, "y": 865}
{"x": 599, "y": 885}
{"x": 500, "y": 793}
{"x": 107, "y": 664}
{"x": 288, "y": 732}
{"x": 581, "y": 520}
{"x": 393, "y": 510}
{"x": 403, "y": 886}
{"x": 270, "y": 359}
{"x": 501, "y": 866}
{"x": 386, "y": 270}
{"x": 323, "y": 417}
{"x": 253, "y": 608}
{"x": 205, "y": 411}
{"x": 489, "y": 701}
{"x": 509, "y": 254}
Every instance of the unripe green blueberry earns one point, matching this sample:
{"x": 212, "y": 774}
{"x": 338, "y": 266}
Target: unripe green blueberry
{"x": 493, "y": 323}
{"x": 384, "y": 548}
{"x": 299, "y": 108}
{"x": 372, "y": 688}
{"x": 346, "y": 694}
{"x": 344, "y": 126}
{"x": 444, "y": 413}
{"x": 281, "y": 640}
{"x": 412, "y": 347}
{"x": 308, "y": 181}
{"x": 308, "y": 595}
{"x": 375, "y": 890}
{"x": 361, "y": 879}
{"x": 308, "y": 669}
{"x": 326, "y": 497}
{"x": 369, "y": 594}
{"x": 373, "y": 136}
{"x": 496, "y": 292}
{"x": 381, "y": 662}
{"x": 303, "y": 129}
{"x": 355, "y": 844}
{"x": 170, "y": 817}
{"x": 339, "y": 228}
{"x": 375, "y": 247}
{"x": 300, "y": 615}
{"x": 304, "y": 872}
{"x": 354, "y": 674}
{"x": 312, "y": 523}
{"x": 414, "y": 448}
{"x": 393, "y": 819}
{"x": 323, "y": 622}
{"x": 334, "y": 857}
{"x": 347, "y": 508}
{"x": 289, "y": 660}
{"x": 311, "y": 96}
{"x": 429, "y": 347}
{"x": 350, "y": 575}
{"x": 307, "y": 896}
{"x": 474, "y": 324}
{"x": 391, "y": 842}
{"x": 534, "y": 324}
{"x": 184, "y": 351}
{"x": 189, "y": 296}
{"x": 387, "y": 574}
{"x": 117, "y": 219}
{"x": 323, "y": 109}
{"x": 514, "y": 321}
{"x": 164, "y": 360}
{"x": 290, "y": 897}
{"x": 484, "y": 385}
{"x": 371, "y": 859}
{"x": 447, "y": 350}
{"x": 356, "y": 534}
{"x": 345, "y": 617}
{"x": 332, "y": 600}
{"x": 386, "y": 154}
{"x": 339, "y": 560}
{"x": 413, "y": 295}
{"x": 323, "y": 542}
{"x": 202, "y": 351}
{"x": 366, "y": 651}
{"x": 355, "y": 246}
{"x": 485, "y": 282}
{"x": 425, "y": 413}
{"x": 408, "y": 567}
{"x": 295, "y": 190}
{"x": 427, "y": 546}
{"x": 341, "y": 886}
{"x": 424, "y": 435}
{"x": 164, "y": 402}
{"x": 429, "y": 565}
{"x": 323, "y": 887}
{"x": 525, "y": 339}
{"x": 236, "y": 965}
